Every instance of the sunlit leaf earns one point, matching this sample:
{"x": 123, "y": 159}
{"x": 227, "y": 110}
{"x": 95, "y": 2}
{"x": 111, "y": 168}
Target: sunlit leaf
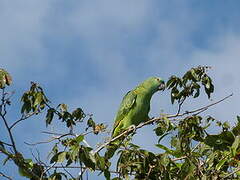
{"x": 221, "y": 163}
{"x": 79, "y": 138}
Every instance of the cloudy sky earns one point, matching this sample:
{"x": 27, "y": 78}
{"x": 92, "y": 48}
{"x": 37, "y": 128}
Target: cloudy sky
{"x": 88, "y": 53}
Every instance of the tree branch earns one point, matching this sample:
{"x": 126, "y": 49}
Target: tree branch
{"x": 50, "y": 140}
{"x": 7, "y": 144}
{"x": 3, "y": 175}
{"x": 78, "y": 167}
{"x": 199, "y": 110}
{"x": 22, "y": 119}
{"x": 2, "y": 115}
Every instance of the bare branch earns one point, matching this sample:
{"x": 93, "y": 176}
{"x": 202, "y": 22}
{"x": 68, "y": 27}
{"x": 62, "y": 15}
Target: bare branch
{"x": 53, "y": 133}
{"x": 67, "y": 172}
{"x": 23, "y": 118}
{"x": 206, "y": 107}
{"x": 50, "y": 140}
{"x": 180, "y": 105}
{"x": 78, "y": 167}
{"x": 7, "y": 144}
{"x": 46, "y": 170}
{"x": 2, "y": 115}
{"x": 3, "y": 175}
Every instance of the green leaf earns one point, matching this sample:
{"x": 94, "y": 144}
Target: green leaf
{"x": 90, "y": 122}
{"x": 165, "y": 148}
{"x": 79, "y": 138}
{"x": 174, "y": 94}
{"x": 161, "y": 137}
{"x": 74, "y": 152}
{"x": 69, "y": 162}
{"x": 26, "y": 108}
{"x": 107, "y": 174}
{"x": 29, "y": 162}
{"x": 187, "y": 170}
{"x": 49, "y": 116}
{"x": 238, "y": 118}
{"x": 235, "y": 145}
{"x": 220, "y": 141}
{"x": 159, "y": 131}
{"x": 194, "y": 75}
{"x": 24, "y": 173}
{"x": 78, "y": 114}
{"x": 225, "y": 125}
{"x": 59, "y": 157}
{"x": 210, "y": 160}
{"x": 171, "y": 82}
{"x": 197, "y": 93}
{"x": 38, "y": 99}
{"x": 85, "y": 157}
{"x": 221, "y": 163}
{"x": 236, "y": 129}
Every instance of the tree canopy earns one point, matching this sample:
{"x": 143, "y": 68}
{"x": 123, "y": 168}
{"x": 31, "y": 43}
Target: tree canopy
{"x": 192, "y": 151}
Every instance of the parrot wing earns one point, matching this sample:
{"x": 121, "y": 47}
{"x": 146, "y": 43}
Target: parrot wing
{"x": 127, "y": 104}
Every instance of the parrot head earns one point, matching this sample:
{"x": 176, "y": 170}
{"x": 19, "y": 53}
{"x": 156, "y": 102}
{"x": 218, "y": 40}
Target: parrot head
{"x": 154, "y": 84}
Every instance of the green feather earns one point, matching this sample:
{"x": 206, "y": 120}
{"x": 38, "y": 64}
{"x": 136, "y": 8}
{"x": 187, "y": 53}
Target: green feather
{"x": 135, "y": 105}
{"x": 134, "y": 108}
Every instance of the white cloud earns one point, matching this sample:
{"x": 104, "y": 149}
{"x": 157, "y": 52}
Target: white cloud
{"x": 223, "y": 55}
{"x": 23, "y": 51}
{"x": 94, "y": 19}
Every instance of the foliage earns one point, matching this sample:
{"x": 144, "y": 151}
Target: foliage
{"x": 192, "y": 152}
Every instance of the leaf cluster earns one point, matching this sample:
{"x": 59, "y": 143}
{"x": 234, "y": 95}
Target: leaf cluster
{"x": 190, "y": 84}
{"x": 5, "y": 79}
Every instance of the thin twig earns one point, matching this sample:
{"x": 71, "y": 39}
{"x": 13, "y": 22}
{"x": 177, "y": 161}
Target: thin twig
{"x": 7, "y": 144}
{"x": 52, "y": 133}
{"x": 50, "y": 140}
{"x": 46, "y": 170}
{"x": 2, "y": 114}
{"x": 4, "y": 175}
{"x": 9, "y": 133}
{"x": 78, "y": 167}
{"x": 180, "y": 105}
{"x": 23, "y": 118}
{"x": 76, "y": 135}
{"x": 67, "y": 172}
{"x": 206, "y": 107}
{"x": 113, "y": 139}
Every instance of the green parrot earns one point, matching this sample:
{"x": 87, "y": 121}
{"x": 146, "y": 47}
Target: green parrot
{"x": 134, "y": 109}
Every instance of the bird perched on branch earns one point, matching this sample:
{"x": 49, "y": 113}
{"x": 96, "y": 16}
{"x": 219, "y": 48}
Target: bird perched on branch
{"x": 134, "y": 110}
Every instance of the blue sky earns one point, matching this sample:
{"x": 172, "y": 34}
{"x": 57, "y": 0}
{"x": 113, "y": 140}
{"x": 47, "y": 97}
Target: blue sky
{"x": 88, "y": 53}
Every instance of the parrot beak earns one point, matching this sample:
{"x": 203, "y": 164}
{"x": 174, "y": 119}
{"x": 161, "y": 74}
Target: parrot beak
{"x": 162, "y": 87}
